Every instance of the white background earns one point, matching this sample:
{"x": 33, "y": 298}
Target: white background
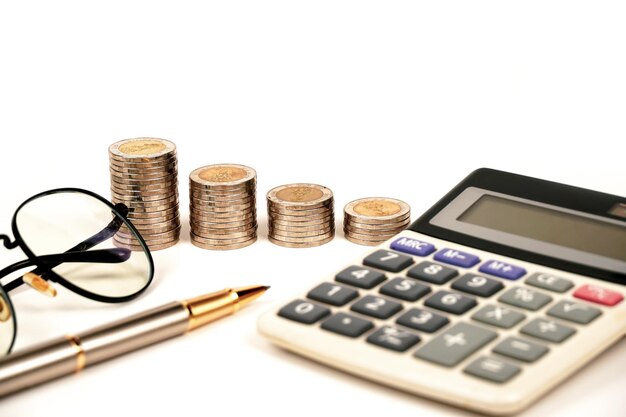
{"x": 399, "y": 99}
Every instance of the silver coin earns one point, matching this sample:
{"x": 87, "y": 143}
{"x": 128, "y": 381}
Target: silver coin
{"x": 291, "y": 239}
{"x": 363, "y": 242}
{"x": 148, "y": 170}
{"x": 376, "y": 210}
{"x": 152, "y": 247}
{"x": 233, "y": 235}
{"x": 301, "y": 228}
{"x": 380, "y": 226}
{"x": 297, "y": 235}
{"x": 143, "y": 198}
{"x": 229, "y": 203}
{"x": 319, "y": 212}
{"x": 315, "y": 222}
{"x": 171, "y": 215}
{"x": 233, "y": 208}
{"x": 223, "y": 225}
{"x": 122, "y": 164}
{"x": 211, "y": 241}
{"x": 165, "y": 175}
{"x": 147, "y": 231}
{"x": 393, "y": 231}
{"x": 167, "y": 202}
{"x": 213, "y": 218}
{"x": 145, "y": 186}
{"x": 360, "y": 236}
{"x": 204, "y": 196}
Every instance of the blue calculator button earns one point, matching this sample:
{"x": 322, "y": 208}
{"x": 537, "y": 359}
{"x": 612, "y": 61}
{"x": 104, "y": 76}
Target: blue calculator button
{"x": 502, "y": 270}
{"x": 458, "y": 258}
{"x": 412, "y": 246}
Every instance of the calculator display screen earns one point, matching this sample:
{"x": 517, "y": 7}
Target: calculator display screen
{"x": 547, "y": 225}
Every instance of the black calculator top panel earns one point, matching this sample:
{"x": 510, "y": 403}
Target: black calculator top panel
{"x": 556, "y": 211}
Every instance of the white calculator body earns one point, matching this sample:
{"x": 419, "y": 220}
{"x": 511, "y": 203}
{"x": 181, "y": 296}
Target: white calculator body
{"x": 499, "y": 292}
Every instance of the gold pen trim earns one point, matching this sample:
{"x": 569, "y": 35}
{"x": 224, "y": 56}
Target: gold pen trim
{"x": 81, "y": 357}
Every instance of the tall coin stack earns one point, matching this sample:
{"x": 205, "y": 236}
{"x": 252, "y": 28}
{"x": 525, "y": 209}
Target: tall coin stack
{"x": 222, "y": 204}
{"x": 370, "y": 221}
{"x": 300, "y": 215}
{"x": 144, "y": 177}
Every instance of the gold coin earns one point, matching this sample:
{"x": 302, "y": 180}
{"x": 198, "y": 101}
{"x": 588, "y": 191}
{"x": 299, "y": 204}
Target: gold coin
{"x": 207, "y": 196}
{"x": 313, "y": 223}
{"x": 376, "y": 209}
{"x": 378, "y": 226}
{"x": 148, "y": 231}
{"x": 232, "y": 208}
{"x": 295, "y": 235}
{"x": 299, "y": 244}
{"x": 223, "y": 225}
{"x": 156, "y": 191}
{"x": 141, "y": 149}
{"x": 375, "y": 222}
{"x": 142, "y": 175}
{"x": 152, "y": 247}
{"x": 323, "y": 216}
{"x": 222, "y": 217}
{"x": 123, "y": 164}
{"x": 171, "y": 215}
{"x": 204, "y": 231}
{"x": 315, "y": 238}
{"x": 283, "y": 211}
{"x": 228, "y": 203}
{"x": 323, "y": 227}
{"x": 143, "y": 198}
{"x": 391, "y": 230}
{"x": 232, "y": 235}
{"x": 215, "y": 241}
{"x": 131, "y": 202}
{"x": 300, "y": 196}
{"x": 157, "y": 238}
{"x": 144, "y": 185}
{"x": 222, "y": 246}
{"x": 371, "y": 237}
{"x": 223, "y": 176}
{"x": 148, "y": 170}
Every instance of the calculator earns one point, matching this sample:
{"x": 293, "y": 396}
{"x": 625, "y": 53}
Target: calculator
{"x": 499, "y": 292}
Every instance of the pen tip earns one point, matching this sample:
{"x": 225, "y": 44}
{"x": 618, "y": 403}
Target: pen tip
{"x": 267, "y": 287}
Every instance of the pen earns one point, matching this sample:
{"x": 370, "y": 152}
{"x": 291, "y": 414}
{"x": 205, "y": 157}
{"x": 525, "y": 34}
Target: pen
{"x": 70, "y": 354}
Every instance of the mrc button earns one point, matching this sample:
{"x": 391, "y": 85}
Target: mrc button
{"x": 412, "y": 246}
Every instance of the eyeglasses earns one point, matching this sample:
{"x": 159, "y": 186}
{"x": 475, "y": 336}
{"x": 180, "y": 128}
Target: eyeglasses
{"x": 67, "y": 235}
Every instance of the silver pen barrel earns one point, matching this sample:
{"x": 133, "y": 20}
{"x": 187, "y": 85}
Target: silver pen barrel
{"x": 66, "y": 355}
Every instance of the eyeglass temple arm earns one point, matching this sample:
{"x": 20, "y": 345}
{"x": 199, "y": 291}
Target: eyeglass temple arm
{"x": 113, "y": 255}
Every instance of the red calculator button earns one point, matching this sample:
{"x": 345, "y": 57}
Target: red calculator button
{"x": 598, "y": 295}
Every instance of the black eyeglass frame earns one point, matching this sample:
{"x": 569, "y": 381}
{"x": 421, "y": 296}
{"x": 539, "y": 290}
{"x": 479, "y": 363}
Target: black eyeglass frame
{"x": 120, "y": 212}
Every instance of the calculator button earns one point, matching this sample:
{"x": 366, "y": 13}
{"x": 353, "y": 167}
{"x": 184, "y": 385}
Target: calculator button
{"x": 360, "y": 276}
{"x": 405, "y": 289}
{"x": 423, "y": 320}
{"x": 549, "y": 282}
{"x": 576, "y": 312}
{"x": 451, "y": 302}
{"x": 334, "y": 294}
{"x": 432, "y": 272}
{"x": 393, "y": 338}
{"x": 412, "y": 246}
{"x": 477, "y": 285}
{"x": 502, "y": 270}
{"x": 498, "y": 316}
{"x": 388, "y": 261}
{"x": 378, "y": 307}
{"x": 458, "y": 258}
{"x": 347, "y": 325}
{"x": 520, "y": 349}
{"x": 303, "y": 311}
{"x": 598, "y": 295}
{"x": 547, "y": 330}
{"x": 455, "y": 344}
{"x": 525, "y": 298}
{"x": 491, "y": 369}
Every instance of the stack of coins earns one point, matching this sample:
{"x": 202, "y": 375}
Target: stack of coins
{"x": 300, "y": 215}
{"x": 370, "y": 221}
{"x": 222, "y": 204}
{"x": 144, "y": 178}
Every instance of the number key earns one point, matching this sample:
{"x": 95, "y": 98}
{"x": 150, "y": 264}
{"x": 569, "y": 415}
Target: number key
{"x": 303, "y": 311}
{"x": 451, "y": 302}
{"x": 388, "y": 261}
{"x": 477, "y": 285}
{"x": 422, "y": 320}
{"x": 378, "y": 307}
{"x": 360, "y": 276}
{"x": 334, "y": 294}
{"x": 432, "y": 272}
{"x": 405, "y": 288}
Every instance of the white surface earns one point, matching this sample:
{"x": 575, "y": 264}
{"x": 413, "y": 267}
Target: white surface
{"x": 401, "y": 99}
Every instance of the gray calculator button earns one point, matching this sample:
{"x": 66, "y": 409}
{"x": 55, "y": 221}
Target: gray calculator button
{"x": 360, "y": 276}
{"x": 303, "y": 311}
{"x": 576, "y": 312}
{"x": 405, "y": 289}
{"x": 388, "y": 260}
{"x": 334, "y": 294}
{"x": 477, "y": 285}
{"x": 499, "y": 316}
{"x": 378, "y": 307}
{"x": 549, "y": 282}
{"x": 423, "y": 320}
{"x": 455, "y": 344}
{"x": 393, "y": 338}
{"x": 494, "y": 370}
{"x": 451, "y": 302}
{"x": 432, "y": 272}
{"x": 520, "y": 349}
{"x": 347, "y": 325}
{"x": 547, "y": 330}
{"x": 525, "y": 298}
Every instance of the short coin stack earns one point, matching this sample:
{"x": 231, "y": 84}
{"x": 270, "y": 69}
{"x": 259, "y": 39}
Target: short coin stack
{"x": 300, "y": 215}
{"x": 222, "y": 204}
{"x": 370, "y": 221}
{"x": 144, "y": 177}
